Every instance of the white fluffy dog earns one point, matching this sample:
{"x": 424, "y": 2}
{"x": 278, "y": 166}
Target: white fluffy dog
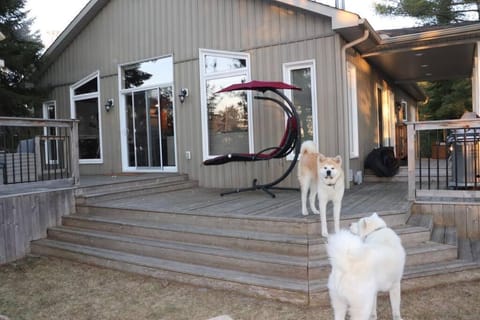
{"x": 324, "y": 176}
{"x": 365, "y": 260}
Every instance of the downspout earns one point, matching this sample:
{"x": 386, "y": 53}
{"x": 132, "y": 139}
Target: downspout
{"x": 345, "y": 100}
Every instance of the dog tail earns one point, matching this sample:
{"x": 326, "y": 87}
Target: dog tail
{"x": 344, "y": 250}
{"x": 308, "y": 147}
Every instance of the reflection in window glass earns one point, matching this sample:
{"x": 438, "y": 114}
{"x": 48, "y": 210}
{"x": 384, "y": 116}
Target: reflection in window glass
{"x": 88, "y": 128}
{"x": 148, "y": 73}
{"x": 303, "y": 100}
{"x": 221, "y": 64}
{"x": 227, "y": 117}
{"x": 89, "y": 87}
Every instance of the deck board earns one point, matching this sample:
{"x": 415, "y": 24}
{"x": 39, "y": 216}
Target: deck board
{"x": 360, "y": 199}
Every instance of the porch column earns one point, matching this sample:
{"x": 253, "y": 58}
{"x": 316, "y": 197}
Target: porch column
{"x": 411, "y": 160}
{"x": 476, "y": 82}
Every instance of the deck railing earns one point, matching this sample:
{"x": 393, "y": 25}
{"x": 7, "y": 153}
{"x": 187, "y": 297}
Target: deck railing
{"x": 444, "y": 159}
{"x": 33, "y": 149}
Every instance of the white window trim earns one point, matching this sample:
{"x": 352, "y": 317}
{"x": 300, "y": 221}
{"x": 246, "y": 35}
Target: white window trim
{"x": 352, "y": 103}
{"x": 287, "y": 68}
{"x": 123, "y": 118}
{"x": 203, "y": 97}
{"x": 73, "y": 115}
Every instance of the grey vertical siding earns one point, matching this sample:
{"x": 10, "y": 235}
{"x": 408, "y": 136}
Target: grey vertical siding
{"x": 126, "y": 31}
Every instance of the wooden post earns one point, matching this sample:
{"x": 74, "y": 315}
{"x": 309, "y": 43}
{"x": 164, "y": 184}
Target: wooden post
{"x": 38, "y": 159}
{"x": 74, "y": 153}
{"x": 411, "y": 160}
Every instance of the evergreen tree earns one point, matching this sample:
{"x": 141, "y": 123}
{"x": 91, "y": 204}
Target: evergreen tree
{"x": 432, "y": 12}
{"x": 448, "y": 99}
{"x": 21, "y": 51}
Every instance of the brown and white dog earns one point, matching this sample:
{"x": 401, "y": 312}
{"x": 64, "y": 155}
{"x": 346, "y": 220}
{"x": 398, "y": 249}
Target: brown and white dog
{"x": 322, "y": 176}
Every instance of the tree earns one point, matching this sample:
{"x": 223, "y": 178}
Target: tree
{"x": 448, "y": 99}
{"x": 21, "y": 51}
{"x": 432, "y": 12}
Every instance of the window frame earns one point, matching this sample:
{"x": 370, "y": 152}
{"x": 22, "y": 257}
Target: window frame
{"x": 288, "y": 67}
{"x": 123, "y": 119}
{"x": 91, "y": 95}
{"x": 352, "y": 103}
{"x": 203, "y": 94}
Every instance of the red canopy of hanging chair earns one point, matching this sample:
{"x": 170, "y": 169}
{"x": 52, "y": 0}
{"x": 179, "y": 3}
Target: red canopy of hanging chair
{"x": 259, "y": 86}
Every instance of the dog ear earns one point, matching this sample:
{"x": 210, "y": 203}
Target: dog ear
{"x": 321, "y": 157}
{"x": 364, "y": 224}
{"x": 338, "y": 159}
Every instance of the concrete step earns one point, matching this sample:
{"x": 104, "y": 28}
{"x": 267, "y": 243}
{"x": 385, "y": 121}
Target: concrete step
{"x": 262, "y": 263}
{"x": 288, "y": 290}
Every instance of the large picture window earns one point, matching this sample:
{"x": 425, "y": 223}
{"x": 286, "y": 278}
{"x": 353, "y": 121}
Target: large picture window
{"x": 86, "y": 108}
{"x": 302, "y": 75}
{"x": 225, "y": 116}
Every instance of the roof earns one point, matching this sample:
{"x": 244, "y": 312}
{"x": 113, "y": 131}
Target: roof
{"x": 405, "y": 55}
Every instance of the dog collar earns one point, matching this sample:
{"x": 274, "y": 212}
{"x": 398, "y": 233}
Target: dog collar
{"x": 331, "y": 184}
{"x": 378, "y": 229}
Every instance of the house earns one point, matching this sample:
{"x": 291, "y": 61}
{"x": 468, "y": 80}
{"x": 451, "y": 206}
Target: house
{"x": 142, "y": 76}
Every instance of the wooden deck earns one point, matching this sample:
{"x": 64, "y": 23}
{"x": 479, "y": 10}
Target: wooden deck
{"x": 359, "y": 200}
{"x": 165, "y": 226}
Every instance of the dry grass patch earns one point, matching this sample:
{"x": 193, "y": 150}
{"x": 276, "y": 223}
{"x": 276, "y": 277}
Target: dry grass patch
{"x": 49, "y": 288}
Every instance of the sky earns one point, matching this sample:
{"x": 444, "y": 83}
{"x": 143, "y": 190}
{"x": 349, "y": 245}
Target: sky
{"x": 53, "y": 16}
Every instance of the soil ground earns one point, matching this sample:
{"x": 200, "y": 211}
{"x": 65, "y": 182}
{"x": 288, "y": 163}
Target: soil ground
{"x": 50, "y": 288}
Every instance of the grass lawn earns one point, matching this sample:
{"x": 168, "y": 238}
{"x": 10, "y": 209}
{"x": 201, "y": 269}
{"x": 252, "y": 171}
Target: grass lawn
{"x": 50, "y": 288}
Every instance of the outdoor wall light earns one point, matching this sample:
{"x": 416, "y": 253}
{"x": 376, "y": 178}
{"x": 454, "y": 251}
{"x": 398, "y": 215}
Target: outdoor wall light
{"x": 183, "y": 93}
{"x": 108, "y": 105}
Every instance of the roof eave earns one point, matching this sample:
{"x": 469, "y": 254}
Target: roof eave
{"x": 340, "y": 18}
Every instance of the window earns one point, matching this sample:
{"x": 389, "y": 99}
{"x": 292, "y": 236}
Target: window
{"x": 85, "y": 107}
{"x": 225, "y": 117}
{"x": 352, "y": 104}
{"x": 302, "y": 74}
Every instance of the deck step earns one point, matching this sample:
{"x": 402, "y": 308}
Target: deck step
{"x": 294, "y": 245}
{"x": 270, "y": 256}
{"x": 132, "y": 188}
{"x": 236, "y": 222}
{"x": 279, "y": 288}
{"x": 206, "y": 255}
{"x": 262, "y": 224}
